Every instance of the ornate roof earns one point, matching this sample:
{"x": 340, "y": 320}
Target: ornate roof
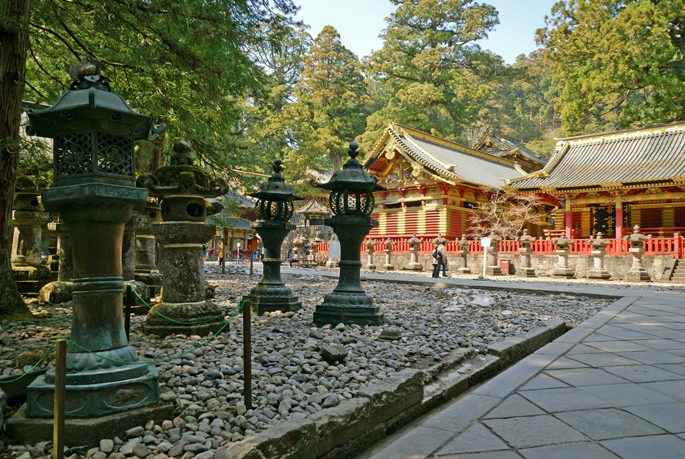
{"x": 313, "y": 207}
{"x": 448, "y": 161}
{"x": 499, "y": 145}
{"x": 621, "y": 159}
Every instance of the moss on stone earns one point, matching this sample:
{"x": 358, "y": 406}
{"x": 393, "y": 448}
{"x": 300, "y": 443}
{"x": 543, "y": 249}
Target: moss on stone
{"x": 186, "y": 176}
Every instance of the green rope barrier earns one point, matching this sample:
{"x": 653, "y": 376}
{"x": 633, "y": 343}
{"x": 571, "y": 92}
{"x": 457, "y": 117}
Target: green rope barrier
{"x": 235, "y": 313}
{"x": 172, "y": 320}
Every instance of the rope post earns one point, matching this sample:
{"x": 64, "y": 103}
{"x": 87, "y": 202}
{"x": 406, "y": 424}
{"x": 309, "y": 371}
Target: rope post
{"x": 227, "y": 250}
{"x": 247, "y": 355}
{"x": 128, "y": 301}
{"x": 60, "y": 396}
{"x": 251, "y": 261}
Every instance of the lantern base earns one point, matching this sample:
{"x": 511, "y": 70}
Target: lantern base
{"x": 347, "y": 308}
{"x": 525, "y": 272}
{"x": 598, "y": 274}
{"x": 260, "y": 304}
{"x": 199, "y": 318}
{"x": 638, "y": 276}
{"x": 153, "y": 280}
{"x": 414, "y": 267}
{"x": 563, "y": 272}
{"x": 55, "y": 292}
{"x": 91, "y": 400}
{"x": 30, "y": 279}
{"x": 464, "y": 271}
{"x": 493, "y": 271}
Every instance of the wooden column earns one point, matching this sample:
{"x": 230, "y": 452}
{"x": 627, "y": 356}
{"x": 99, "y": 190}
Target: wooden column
{"x": 619, "y": 217}
{"x": 568, "y": 220}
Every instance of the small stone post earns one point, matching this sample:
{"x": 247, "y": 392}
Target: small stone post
{"x": 637, "y": 272}
{"x": 128, "y": 262}
{"x": 562, "y": 251}
{"x": 388, "y": 243}
{"x": 60, "y": 290}
{"x": 146, "y": 270}
{"x": 313, "y": 249}
{"x": 370, "y": 243}
{"x": 599, "y": 246}
{"x": 492, "y": 268}
{"x": 463, "y": 255}
{"x": 525, "y": 270}
{"x": 414, "y": 264}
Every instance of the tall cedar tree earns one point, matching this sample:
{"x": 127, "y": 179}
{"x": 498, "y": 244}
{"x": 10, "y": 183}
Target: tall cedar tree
{"x": 620, "y": 63}
{"x": 436, "y": 74}
{"x": 14, "y": 39}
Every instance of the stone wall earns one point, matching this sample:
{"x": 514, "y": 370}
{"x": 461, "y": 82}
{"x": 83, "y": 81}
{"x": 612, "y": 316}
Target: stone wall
{"x": 617, "y": 265}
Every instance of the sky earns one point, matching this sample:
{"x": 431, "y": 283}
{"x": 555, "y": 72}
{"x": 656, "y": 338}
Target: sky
{"x": 359, "y": 22}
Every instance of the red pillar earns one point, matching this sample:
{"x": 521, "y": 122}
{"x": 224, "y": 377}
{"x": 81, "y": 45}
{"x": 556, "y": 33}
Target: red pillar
{"x": 619, "y": 222}
{"x": 569, "y": 224}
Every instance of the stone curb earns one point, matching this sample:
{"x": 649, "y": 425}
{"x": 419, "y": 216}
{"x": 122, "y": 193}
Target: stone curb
{"x": 351, "y": 427}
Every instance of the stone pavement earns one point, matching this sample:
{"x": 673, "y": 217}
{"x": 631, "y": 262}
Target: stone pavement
{"x": 612, "y": 387}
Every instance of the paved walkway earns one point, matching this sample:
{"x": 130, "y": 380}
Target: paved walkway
{"x": 613, "y": 387}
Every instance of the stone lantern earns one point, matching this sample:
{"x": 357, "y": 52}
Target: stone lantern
{"x": 94, "y": 192}
{"x": 525, "y": 270}
{"x": 146, "y": 270}
{"x": 463, "y": 255}
{"x": 389, "y": 244}
{"x": 183, "y": 189}
{"x": 274, "y": 208}
{"x": 492, "y": 268}
{"x": 637, "y": 241}
{"x": 314, "y": 249}
{"x": 299, "y": 243}
{"x": 28, "y": 217}
{"x": 60, "y": 290}
{"x": 414, "y": 264}
{"x": 562, "y": 270}
{"x": 370, "y": 248}
{"x": 599, "y": 246}
{"x": 352, "y": 202}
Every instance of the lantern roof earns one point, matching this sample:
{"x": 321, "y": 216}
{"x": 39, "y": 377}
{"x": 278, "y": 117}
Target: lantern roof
{"x": 351, "y": 177}
{"x": 275, "y": 189}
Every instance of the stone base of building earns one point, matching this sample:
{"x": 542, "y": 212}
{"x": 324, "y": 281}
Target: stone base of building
{"x": 493, "y": 271}
{"x": 413, "y": 267}
{"x": 637, "y": 276}
{"x": 96, "y": 399}
{"x": 261, "y": 304}
{"x": 22, "y": 430}
{"x": 199, "y": 318}
{"x": 347, "y": 308}
{"x": 55, "y": 292}
{"x": 153, "y": 280}
{"x": 525, "y": 272}
{"x": 598, "y": 274}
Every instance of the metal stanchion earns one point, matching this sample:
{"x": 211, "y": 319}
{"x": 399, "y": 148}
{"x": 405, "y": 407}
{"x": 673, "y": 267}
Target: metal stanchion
{"x": 60, "y": 396}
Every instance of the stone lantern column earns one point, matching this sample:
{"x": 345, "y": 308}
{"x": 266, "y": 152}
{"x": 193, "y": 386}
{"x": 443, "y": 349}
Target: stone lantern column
{"x": 146, "y": 270}
{"x": 599, "y": 246}
{"x": 183, "y": 188}
{"x": 492, "y": 268}
{"x": 274, "y": 208}
{"x": 637, "y": 241}
{"x": 414, "y": 264}
{"x": 562, "y": 270}
{"x": 28, "y": 218}
{"x": 352, "y": 203}
{"x": 315, "y": 250}
{"x": 60, "y": 290}
{"x": 370, "y": 243}
{"x": 389, "y": 244}
{"x": 299, "y": 242}
{"x": 463, "y": 255}
{"x": 525, "y": 270}
{"x": 93, "y": 191}
{"x": 128, "y": 264}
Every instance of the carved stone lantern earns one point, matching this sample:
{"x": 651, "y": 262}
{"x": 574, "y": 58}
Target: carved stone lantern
{"x": 563, "y": 270}
{"x": 146, "y": 270}
{"x": 60, "y": 290}
{"x": 599, "y": 246}
{"x": 389, "y": 244}
{"x": 314, "y": 249}
{"x": 370, "y": 249}
{"x": 525, "y": 270}
{"x": 274, "y": 208}
{"x": 94, "y": 192}
{"x": 183, "y": 189}
{"x": 299, "y": 243}
{"x": 352, "y": 202}
{"x": 637, "y": 241}
{"x": 463, "y": 255}
{"x": 414, "y": 264}
{"x": 492, "y": 268}
{"x": 28, "y": 217}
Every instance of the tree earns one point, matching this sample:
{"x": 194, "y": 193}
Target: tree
{"x": 506, "y": 214}
{"x": 14, "y": 17}
{"x": 332, "y": 101}
{"x": 619, "y": 63}
{"x": 436, "y": 74}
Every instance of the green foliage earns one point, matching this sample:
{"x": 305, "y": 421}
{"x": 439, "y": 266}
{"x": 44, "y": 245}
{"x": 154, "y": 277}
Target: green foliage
{"x": 618, "y": 63}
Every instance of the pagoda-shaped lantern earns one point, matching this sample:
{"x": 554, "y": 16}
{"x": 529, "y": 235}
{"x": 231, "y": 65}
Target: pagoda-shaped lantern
{"x": 463, "y": 253}
{"x": 94, "y": 192}
{"x": 313, "y": 212}
{"x": 562, "y": 269}
{"x": 414, "y": 264}
{"x": 184, "y": 188}
{"x": 598, "y": 252}
{"x": 274, "y": 208}
{"x": 352, "y": 202}
{"x": 525, "y": 270}
{"x": 370, "y": 249}
{"x": 637, "y": 241}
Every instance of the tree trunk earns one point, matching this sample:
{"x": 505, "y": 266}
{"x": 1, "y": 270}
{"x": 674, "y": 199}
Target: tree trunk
{"x": 14, "y": 41}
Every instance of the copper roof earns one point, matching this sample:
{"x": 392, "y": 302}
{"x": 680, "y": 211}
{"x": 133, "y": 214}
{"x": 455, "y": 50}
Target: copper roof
{"x": 313, "y": 207}
{"x": 652, "y": 154}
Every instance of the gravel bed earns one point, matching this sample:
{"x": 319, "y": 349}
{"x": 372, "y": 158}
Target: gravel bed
{"x": 298, "y": 369}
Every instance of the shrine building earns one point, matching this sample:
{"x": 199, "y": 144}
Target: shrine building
{"x": 434, "y": 184}
{"x": 611, "y": 181}
{"x": 507, "y": 148}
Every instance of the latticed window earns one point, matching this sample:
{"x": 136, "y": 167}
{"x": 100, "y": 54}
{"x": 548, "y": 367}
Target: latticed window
{"x": 114, "y": 155}
{"x": 72, "y": 154}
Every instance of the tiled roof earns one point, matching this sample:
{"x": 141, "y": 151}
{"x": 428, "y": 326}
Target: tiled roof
{"x": 313, "y": 206}
{"x": 650, "y": 154}
{"x": 448, "y": 160}
{"x": 503, "y": 145}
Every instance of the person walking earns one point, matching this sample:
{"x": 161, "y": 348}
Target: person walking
{"x": 294, "y": 258}
{"x": 439, "y": 261}
{"x": 220, "y": 252}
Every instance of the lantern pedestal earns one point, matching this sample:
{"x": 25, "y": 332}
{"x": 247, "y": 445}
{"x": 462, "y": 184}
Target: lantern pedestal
{"x": 129, "y": 265}
{"x": 271, "y": 294}
{"x": 146, "y": 270}
{"x": 348, "y": 303}
{"x": 183, "y": 291}
{"x": 95, "y": 214}
{"x": 28, "y": 218}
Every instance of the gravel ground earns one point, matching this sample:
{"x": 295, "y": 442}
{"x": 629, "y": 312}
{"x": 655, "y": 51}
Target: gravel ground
{"x": 295, "y": 371}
